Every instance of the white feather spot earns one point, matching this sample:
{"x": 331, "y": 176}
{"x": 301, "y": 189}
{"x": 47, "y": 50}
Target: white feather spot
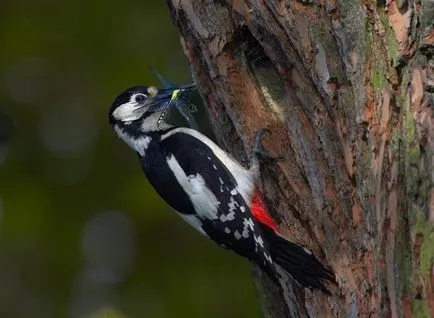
{"x": 221, "y": 185}
{"x": 232, "y": 204}
{"x": 227, "y": 230}
{"x": 243, "y": 209}
{"x": 234, "y": 192}
{"x": 237, "y": 235}
{"x": 204, "y": 201}
{"x": 214, "y": 166}
{"x": 259, "y": 240}
{"x": 231, "y": 215}
{"x": 268, "y": 258}
{"x": 232, "y": 207}
{"x": 228, "y": 217}
{"x": 249, "y": 222}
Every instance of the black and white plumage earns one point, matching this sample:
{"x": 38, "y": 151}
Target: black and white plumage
{"x": 209, "y": 189}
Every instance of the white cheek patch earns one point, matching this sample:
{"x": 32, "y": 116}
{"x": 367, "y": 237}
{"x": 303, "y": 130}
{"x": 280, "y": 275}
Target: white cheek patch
{"x": 128, "y": 112}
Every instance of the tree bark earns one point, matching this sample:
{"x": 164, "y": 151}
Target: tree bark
{"x": 346, "y": 87}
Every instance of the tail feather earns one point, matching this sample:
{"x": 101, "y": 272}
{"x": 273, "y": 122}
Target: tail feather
{"x": 297, "y": 261}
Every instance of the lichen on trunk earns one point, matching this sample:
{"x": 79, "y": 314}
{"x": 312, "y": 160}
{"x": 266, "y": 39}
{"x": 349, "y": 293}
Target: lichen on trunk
{"x": 347, "y": 89}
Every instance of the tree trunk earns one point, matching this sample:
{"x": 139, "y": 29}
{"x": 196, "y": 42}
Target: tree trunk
{"x": 346, "y": 88}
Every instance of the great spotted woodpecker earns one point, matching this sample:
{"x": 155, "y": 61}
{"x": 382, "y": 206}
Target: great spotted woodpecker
{"x": 207, "y": 187}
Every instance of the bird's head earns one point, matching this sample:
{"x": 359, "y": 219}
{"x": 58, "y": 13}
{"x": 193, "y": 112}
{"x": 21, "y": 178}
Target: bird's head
{"x": 144, "y": 108}
{"x": 132, "y": 105}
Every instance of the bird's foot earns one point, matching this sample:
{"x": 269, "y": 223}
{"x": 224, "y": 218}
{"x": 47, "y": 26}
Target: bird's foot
{"x": 259, "y": 152}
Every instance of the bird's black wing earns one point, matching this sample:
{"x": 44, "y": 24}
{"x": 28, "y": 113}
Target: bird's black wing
{"x": 233, "y": 226}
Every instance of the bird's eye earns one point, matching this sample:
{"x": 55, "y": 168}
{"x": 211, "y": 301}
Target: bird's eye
{"x": 140, "y": 98}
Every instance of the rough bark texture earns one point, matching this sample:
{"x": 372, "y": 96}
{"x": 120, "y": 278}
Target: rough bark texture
{"x": 346, "y": 87}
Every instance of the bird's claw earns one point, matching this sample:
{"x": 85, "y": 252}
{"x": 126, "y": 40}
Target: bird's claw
{"x": 258, "y": 150}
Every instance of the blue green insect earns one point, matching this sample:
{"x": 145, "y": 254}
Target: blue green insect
{"x": 174, "y": 96}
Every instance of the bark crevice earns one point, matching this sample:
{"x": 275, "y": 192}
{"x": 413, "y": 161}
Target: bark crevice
{"x": 346, "y": 88}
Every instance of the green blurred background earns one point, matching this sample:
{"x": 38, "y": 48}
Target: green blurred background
{"x": 82, "y": 234}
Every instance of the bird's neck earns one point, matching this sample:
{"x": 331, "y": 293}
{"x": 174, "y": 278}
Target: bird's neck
{"x": 138, "y": 134}
{"x": 152, "y": 123}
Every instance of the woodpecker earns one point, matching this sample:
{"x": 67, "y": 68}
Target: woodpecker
{"x": 208, "y": 188}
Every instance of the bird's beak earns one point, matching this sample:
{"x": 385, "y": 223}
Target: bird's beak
{"x": 165, "y": 98}
{"x": 171, "y": 93}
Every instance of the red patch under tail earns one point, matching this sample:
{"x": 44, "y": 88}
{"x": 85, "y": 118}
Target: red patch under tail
{"x": 259, "y": 211}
